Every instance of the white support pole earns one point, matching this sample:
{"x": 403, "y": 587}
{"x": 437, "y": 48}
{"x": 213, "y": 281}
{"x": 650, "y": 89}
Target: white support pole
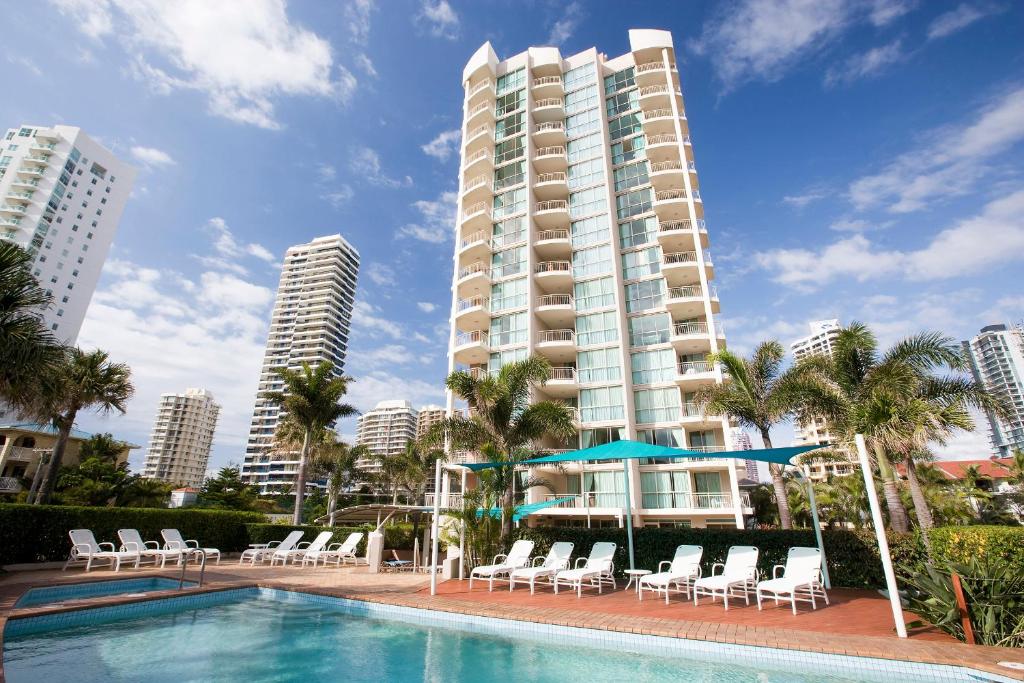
{"x": 435, "y": 527}
{"x": 629, "y": 513}
{"x": 817, "y": 528}
{"x": 462, "y": 529}
{"x": 883, "y": 543}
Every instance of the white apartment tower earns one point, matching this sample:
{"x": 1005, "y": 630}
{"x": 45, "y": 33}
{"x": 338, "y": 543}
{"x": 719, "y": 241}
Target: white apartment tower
{"x": 427, "y": 417}
{"x": 179, "y": 448}
{"x": 385, "y": 430}
{"x": 581, "y": 238}
{"x": 309, "y": 324}
{"x": 997, "y": 360}
{"x": 819, "y": 341}
{"x": 61, "y": 198}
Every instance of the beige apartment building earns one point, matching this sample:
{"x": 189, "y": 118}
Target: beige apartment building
{"x": 385, "y": 430}
{"x": 179, "y": 448}
{"x": 580, "y": 236}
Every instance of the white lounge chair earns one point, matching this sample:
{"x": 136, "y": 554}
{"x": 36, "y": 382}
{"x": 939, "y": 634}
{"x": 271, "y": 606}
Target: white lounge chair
{"x": 339, "y": 552}
{"x": 503, "y": 565}
{"x": 84, "y": 548}
{"x": 286, "y": 555}
{"x": 261, "y": 554}
{"x": 739, "y": 576}
{"x": 598, "y": 569}
{"x": 131, "y": 541}
{"x": 680, "y": 572}
{"x": 800, "y": 580}
{"x": 174, "y": 541}
{"x": 556, "y": 560}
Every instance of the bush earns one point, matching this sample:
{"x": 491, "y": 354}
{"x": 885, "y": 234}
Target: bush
{"x": 852, "y": 556}
{"x": 397, "y": 536}
{"x": 39, "y": 533}
{"x": 962, "y": 543}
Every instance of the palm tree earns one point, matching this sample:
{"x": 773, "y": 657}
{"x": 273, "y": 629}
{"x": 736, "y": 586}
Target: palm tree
{"x": 760, "y": 395}
{"x": 82, "y": 380}
{"x": 311, "y": 398}
{"x": 503, "y": 424}
{"x": 336, "y": 462}
{"x": 416, "y": 468}
{"x": 27, "y": 348}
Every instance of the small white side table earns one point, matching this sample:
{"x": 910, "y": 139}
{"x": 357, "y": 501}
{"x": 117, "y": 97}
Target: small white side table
{"x": 634, "y": 577}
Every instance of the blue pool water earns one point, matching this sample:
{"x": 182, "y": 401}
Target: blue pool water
{"x": 95, "y": 589}
{"x": 260, "y": 635}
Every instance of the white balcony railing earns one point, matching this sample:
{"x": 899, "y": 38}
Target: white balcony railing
{"x": 473, "y": 269}
{"x": 664, "y": 138}
{"x": 478, "y": 236}
{"x": 555, "y": 300}
{"x": 587, "y": 500}
{"x": 550, "y": 127}
{"x": 685, "y": 292}
{"x": 478, "y": 109}
{"x": 660, "y": 113}
{"x": 669, "y": 195}
{"x": 479, "y": 130}
{"x": 474, "y": 337}
{"x": 475, "y": 209}
{"x": 690, "y": 328}
{"x": 654, "y": 90}
{"x": 547, "y": 80}
{"x": 557, "y": 336}
{"x": 553, "y": 267}
{"x": 480, "y": 87}
{"x": 556, "y": 177}
{"x": 451, "y": 501}
{"x": 566, "y": 374}
{"x": 472, "y": 302}
{"x": 544, "y": 235}
{"x": 647, "y": 67}
{"x": 694, "y": 367}
{"x": 475, "y": 157}
{"x": 478, "y": 181}
{"x": 553, "y": 150}
{"x": 689, "y": 501}
{"x": 681, "y": 257}
{"x": 548, "y": 102}
{"x": 551, "y": 205}
{"x": 673, "y": 165}
{"x": 685, "y": 224}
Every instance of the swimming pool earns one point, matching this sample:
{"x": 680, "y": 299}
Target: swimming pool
{"x": 94, "y": 589}
{"x": 262, "y": 634}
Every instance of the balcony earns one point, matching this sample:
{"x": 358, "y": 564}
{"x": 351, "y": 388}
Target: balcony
{"x": 24, "y": 182}
{"x": 549, "y": 133}
{"x": 548, "y": 109}
{"x": 483, "y": 90}
{"x": 42, "y": 159}
{"x": 472, "y": 348}
{"x": 688, "y": 502}
{"x": 476, "y": 188}
{"x": 667, "y": 175}
{"x": 550, "y": 159}
{"x": 479, "y": 138}
{"x": 50, "y": 134}
{"x": 683, "y": 268}
{"x": 478, "y": 274}
{"x": 554, "y": 275}
{"x": 563, "y": 382}
{"x": 14, "y": 209}
{"x": 11, "y": 222}
{"x": 480, "y": 160}
{"x": 15, "y": 194}
{"x": 678, "y": 235}
{"x": 553, "y": 245}
{"x": 652, "y": 73}
{"x": 551, "y": 185}
{"x": 691, "y": 375}
{"x": 44, "y": 147}
{"x": 688, "y": 301}
{"x": 558, "y": 346}
{"x": 10, "y": 485}
{"x": 473, "y": 313}
{"x": 551, "y": 213}
{"x": 548, "y": 87}
{"x": 476, "y": 217}
{"x": 662, "y": 147}
{"x": 480, "y": 112}
{"x": 580, "y": 502}
{"x": 31, "y": 171}
{"x": 656, "y": 96}
{"x": 556, "y": 310}
{"x": 659, "y": 121}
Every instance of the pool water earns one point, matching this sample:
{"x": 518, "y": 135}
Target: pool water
{"x": 261, "y": 639}
{"x": 81, "y": 591}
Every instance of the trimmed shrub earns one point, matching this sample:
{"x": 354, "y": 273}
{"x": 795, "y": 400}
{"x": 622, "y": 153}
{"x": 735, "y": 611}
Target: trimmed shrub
{"x": 39, "y": 533}
{"x": 961, "y": 544}
{"x": 397, "y": 536}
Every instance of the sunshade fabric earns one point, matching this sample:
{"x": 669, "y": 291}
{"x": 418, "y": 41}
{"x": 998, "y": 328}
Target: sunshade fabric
{"x": 524, "y": 510}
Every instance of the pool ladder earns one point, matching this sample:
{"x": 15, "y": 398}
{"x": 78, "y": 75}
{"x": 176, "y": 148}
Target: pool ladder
{"x": 184, "y": 565}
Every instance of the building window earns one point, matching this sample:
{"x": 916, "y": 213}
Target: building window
{"x": 597, "y": 328}
{"x": 508, "y": 232}
{"x": 508, "y": 329}
{"x": 633, "y": 175}
{"x": 650, "y": 367}
{"x": 579, "y": 76}
{"x": 509, "y": 175}
{"x": 510, "y": 125}
{"x": 628, "y": 150}
{"x": 671, "y": 437}
{"x": 586, "y": 173}
{"x": 509, "y": 294}
{"x": 511, "y": 202}
{"x": 639, "y": 231}
{"x": 502, "y": 358}
{"x": 585, "y": 202}
{"x": 582, "y": 100}
{"x": 592, "y": 261}
{"x": 511, "y": 81}
{"x": 508, "y": 262}
{"x": 623, "y": 102}
{"x": 507, "y": 150}
{"x": 601, "y": 404}
{"x": 643, "y": 296}
{"x": 619, "y": 81}
{"x": 665, "y": 489}
{"x": 580, "y": 124}
{"x": 599, "y": 293}
{"x": 584, "y": 148}
{"x": 650, "y": 329}
{"x": 657, "y": 405}
{"x": 599, "y": 365}
{"x": 589, "y": 231}
{"x": 633, "y": 203}
{"x": 506, "y": 104}
{"x": 636, "y": 264}
{"x": 624, "y": 126}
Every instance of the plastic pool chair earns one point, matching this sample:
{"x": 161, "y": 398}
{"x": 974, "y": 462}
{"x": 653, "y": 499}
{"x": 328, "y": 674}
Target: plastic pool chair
{"x": 261, "y": 554}
{"x": 284, "y": 555}
{"x": 84, "y": 548}
{"x": 598, "y": 569}
{"x": 556, "y": 561}
{"x": 132, "y": 541}
{"x": 503, "y": 565}
{"x": 800, "y": 580}
{"x": 680, "y": 572}
{"x": 396, "y": 563}
{"x": 174, "y": 541}
{"x": 339, "y": 552}
{"x": 739, "y": 575}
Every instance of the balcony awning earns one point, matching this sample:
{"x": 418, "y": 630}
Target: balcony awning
{"x": 525, "y": 510}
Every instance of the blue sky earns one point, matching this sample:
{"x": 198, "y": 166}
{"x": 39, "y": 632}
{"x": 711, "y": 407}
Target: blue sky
{"x": 858, "y": 160}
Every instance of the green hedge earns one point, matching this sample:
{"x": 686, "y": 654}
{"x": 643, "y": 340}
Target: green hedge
{"x": 397, "y": 536}
{"x": 39, "y": 533}
{"x": 853, "y": 559}
{"x": 962, "y": 543}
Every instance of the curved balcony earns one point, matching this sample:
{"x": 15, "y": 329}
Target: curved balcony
{"x": 687, "y": 301}
{"x": 549, "y": 109}
{"x": 658, "y": 96}
{"x": 47, "y": 134}
{"x": 548, "y": 86}
{"x": 13, "y": 209}
{"x": 659, "y": 121}
{"x": 473, "y": 313}
{"x": 564, "y": 382}
{"x": 478, "y": 138}
{"x": 653, "y": 73}
{"x": 551, "y": 185}
{"x": 480, "y": 161}
{"x": 476, "y": 246}
{"x": 671, "y": 204}
{"x": 556, "y": 310}
{"x": 683, "y": 268}
{"x": 662, "y": 147}
{"x": 483, "y": 111}
{"x": 550, "y": 159}
{"x": 549, "y": 133}
{"x": 691, "y": 336}
{"x": 24, "y": 196}
{"x": 24, "y": 182}
{"x": 667, "y": 175}
{"x": 471, "y": 348}
{"x": 474, "y": 278}
{"x": 691, "y": 375}
{"x": 31, "y": 171}
{"x": 10, "y": 222}
{"x": 552, "y": 245}
{"x": 554, "y": 275}
{"x": 551, "y": 213}
{"x": 476, "y": 217}
{"x": 557, "y": 345}
{"x": 482, "y": 91}
{"x": 477, "y": 188}
{"x": 41, "y": 159}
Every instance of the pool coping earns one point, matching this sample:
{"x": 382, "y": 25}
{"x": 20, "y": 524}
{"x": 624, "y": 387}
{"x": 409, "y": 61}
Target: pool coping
{"x": 972, "y": 657}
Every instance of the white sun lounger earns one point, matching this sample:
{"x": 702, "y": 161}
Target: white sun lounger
{"x": 800, "y": 580}
{"x": 261, "y": 554}
{"x": 339, "y": 552}
{"x": 503, "y": 565}
{"x": 680, "y": 572}
{"x": 84, "y": 548}
{"x": 556, "y": 560}
{"x": 174, "y": 541}
{"x": 131, "y": 541}
{"x": 739, "y": 576}
{"x": 598, "y": 569}
{"x": 285, "y": 555}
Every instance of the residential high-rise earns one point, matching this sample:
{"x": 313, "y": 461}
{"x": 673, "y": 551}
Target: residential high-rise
{"x": 997, "y": 359}
{"x": 581, "y": 238}
{"x": 61, "y": 197}
{"x": 819, "y": 341}
{"x": 741, "y": 442}
{"x": 309, "y": 324}
{"x": 427, "y": 417}
{"x": 179, "y": 448}
{"x": 385, "y": 430}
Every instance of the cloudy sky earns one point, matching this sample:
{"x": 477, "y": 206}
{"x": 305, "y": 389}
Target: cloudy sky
{"x": 858, "y": 160}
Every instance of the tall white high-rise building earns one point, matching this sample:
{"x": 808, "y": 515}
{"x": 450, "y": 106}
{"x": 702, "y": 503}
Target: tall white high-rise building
{"x": 819, "y": 341}
{"x": 741, "y": 442}
{"x": 61, "y": 198}
{"x": 179, "y": 448}
{"x": 385, "y": 430}
{"x": 309, "y": 324}
{"x": 581, "y": 238}
{"x": 997, "y": 360}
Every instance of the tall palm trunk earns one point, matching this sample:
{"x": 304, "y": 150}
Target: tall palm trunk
{"x": 50, "y": 479}
{"x": 898, "y": 519}
{"x": 300, "y": 478}
{"x": 779, "y": 484}
{"x": 332, "y": 504}
{"x": 924, "y": 514}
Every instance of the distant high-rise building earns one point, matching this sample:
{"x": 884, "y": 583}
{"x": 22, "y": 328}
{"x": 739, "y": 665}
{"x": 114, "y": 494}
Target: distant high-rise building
{"x": 61, "y": 198}
{"x": 741, "y": 442}
{"x": 819, "y": 341}
{"x": 427, "y": 417}
{"x": 309, "y": 324}
{"x": 997, "y": 359}
{"x": 385, "y": 430}
{"x": 179, "y": 448}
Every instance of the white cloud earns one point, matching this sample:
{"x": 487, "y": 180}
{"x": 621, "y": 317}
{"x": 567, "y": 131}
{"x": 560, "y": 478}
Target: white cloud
{"x": 849, "y": 225}
{"x": 243, "y": 56}
{"x": 358, "y": 14}
{"x": 369, "y": 389}
{"x": 566, "y": 25}
{"x": 435, "y": 235}
{"x": 865, "y": 65}
{"x": 366, "y": 319}
{"x": 366, "y": 64}
{"x": 228, "y": 247}
{"x": 437, "y": 220}
{"x": 381, "y": 274}
{"x": 151, "y": 156}
{"x": 1006, "y": 309}
{"x": 426, "y": 306}
{"x": 338, "y": 196}
{"x": 439, "y": 19}
{"x": 26, "y": 64}
{"x": 958, "y": 19}
{"x": 884, "y": 12}
{"x": 444, "y": 145}
{"x": 335, "y": 195}
{"x": 939, "y": 167}
{"x": 326, "y": 172}
{"x": 365, "y": 163}
{"x": 802, "y": 200}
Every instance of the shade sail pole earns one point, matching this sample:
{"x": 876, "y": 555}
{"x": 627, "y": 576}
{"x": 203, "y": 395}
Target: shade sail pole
{"x": 462, "y": 530}
{"x": 817, "y": 528}
{"x": 629, "y": 513}
{"x": 883, "y": 543}
{"x": 435, "y": 527}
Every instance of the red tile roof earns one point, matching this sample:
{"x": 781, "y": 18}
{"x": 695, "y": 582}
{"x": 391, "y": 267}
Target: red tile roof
{"x": 992, "y": 468}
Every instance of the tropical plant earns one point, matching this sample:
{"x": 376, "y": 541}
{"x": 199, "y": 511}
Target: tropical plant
{"x": 102, "y": 446}
{"x": 759, "y": 394}
{"x": 502, "y": 423}
{"x": 312, "y": 399}
{"x": 336, "y": 463}
{"x": 145, "y": 493}
{"x": 227, "y": 491}
{"x": 82, "y": 380}
{"x": 482, "y": 531}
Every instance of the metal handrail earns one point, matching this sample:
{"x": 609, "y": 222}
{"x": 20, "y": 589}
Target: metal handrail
{"x": 186, "y": 555}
